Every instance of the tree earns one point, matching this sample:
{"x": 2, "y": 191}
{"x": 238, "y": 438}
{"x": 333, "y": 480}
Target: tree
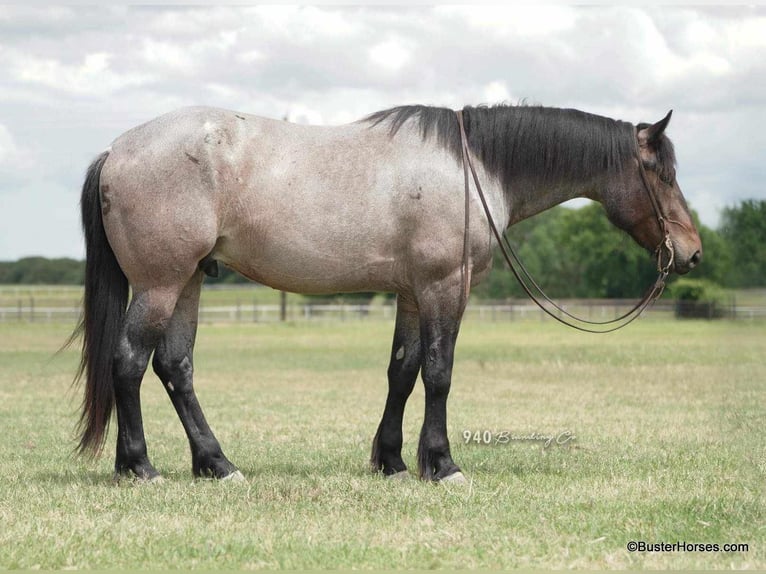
{"x": 744, "y": 229}
{"x": 716, "y": 255}
{"x": 501, "y": 284}
{"x": 40, "y": 270}
{"x": 573, "y": 253}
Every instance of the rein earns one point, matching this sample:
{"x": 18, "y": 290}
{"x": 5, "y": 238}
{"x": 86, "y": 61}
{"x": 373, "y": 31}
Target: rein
{"x": 526, "y": 280}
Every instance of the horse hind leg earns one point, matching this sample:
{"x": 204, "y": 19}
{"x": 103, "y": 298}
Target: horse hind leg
{"x": 402, "y": 373}
{"x": 145, "y": 321}
{"x": 174, "y": 364}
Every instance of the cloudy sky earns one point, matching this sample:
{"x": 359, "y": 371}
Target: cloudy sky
{"x": 73, "y": 78}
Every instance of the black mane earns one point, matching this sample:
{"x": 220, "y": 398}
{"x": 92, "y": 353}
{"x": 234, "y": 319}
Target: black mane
{"x": 544, "y": 144}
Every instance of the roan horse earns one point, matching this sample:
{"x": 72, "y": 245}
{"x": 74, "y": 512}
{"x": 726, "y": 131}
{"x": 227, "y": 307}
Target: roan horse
{"x": 377, "y": 205}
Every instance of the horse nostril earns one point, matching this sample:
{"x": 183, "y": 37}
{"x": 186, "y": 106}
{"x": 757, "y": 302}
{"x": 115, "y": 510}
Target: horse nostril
{"x": 696, "y": 258}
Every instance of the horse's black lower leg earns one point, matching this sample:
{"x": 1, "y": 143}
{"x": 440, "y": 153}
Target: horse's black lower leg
{"x": 144, "y": 323}
{"x": 402, "y": 374}
{"x": 173, "y": 363}
{"x": 438, "y": 336}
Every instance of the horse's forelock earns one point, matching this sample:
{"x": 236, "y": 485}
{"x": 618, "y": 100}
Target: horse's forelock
{"x": 664, "y": 151}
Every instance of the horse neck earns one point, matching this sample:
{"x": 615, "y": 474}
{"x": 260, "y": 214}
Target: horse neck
{"x": 527, "y": 198}
{"x": 545, "y": 156}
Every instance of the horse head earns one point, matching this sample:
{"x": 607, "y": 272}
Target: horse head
{"x": 645, "y": 200}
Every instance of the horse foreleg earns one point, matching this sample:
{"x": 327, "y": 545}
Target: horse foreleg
{"x": 144, "y": 324}
{"x": 439, "y": 325}
{"x": 402, "y": 374}
{"x": 173, "y": 364}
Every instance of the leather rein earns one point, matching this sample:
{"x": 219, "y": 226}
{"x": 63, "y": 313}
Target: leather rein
{"x": 526, "y": 280}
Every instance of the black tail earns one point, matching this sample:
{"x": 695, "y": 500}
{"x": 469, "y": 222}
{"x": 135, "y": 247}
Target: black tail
{"x": 106, "y": 295}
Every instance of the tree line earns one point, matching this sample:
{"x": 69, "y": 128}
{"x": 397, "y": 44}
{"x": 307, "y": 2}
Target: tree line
{"x": 578, "y": 253}
{"x": 570, "y": 253}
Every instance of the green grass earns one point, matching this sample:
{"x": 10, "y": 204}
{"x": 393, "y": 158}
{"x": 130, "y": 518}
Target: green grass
{"x": 70, "y": 296}
{"x": 668, "y": 418}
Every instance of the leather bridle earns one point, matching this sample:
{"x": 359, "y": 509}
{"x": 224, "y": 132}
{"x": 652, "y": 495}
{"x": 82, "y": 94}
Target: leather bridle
{"x": 662, "y": 219}
{"x": 526, "y": 280}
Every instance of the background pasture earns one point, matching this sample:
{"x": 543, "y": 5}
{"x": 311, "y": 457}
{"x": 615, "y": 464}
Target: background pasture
{"x": 667, "y": 417}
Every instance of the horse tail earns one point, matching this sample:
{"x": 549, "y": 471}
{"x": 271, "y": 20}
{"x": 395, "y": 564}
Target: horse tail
{"x": 106, "y": 296}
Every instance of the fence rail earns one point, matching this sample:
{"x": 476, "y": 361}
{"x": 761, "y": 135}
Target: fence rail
{"x": 596, "y": 310}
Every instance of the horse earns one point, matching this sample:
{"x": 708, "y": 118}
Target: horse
{"x": 374, "y": 205}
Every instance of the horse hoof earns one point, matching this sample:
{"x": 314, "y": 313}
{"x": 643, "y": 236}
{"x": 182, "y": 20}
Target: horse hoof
{"x": 401, "y": 475}
{"x": 235, "y": 476}
{"x": 119, "y": 478}
{"x": 455, "y": 478}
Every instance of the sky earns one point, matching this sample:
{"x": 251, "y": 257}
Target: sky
{"x": 74, "y": 78}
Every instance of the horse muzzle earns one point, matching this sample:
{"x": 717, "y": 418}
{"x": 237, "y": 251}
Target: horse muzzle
{"x": 685, "y": 264}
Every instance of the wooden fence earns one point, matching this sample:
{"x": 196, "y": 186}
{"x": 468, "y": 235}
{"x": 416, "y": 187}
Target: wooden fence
{"x": 25, "y": 310}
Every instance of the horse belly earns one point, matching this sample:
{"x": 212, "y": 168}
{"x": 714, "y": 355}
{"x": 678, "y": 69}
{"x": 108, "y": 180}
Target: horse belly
{"x": 299, "y": 266}
{"x": 298, "y": 239}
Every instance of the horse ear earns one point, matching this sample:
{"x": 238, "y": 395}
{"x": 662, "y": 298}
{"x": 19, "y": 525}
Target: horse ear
{"x": 651, "y": 135}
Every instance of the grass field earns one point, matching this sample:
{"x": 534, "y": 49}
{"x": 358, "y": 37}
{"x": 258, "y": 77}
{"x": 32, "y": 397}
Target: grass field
{"x": 668, "y": 419}
{"x": 70, "y": 296}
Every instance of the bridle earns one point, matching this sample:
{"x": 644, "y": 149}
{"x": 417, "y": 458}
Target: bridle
{"x": 526, "y": 280}
{"x": 662, "y": 219}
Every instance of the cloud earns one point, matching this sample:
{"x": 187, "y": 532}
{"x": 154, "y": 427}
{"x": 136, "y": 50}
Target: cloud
{"x": 91, "y": 76}
{"x": 391, "y": 55}
{"x": 305, "y": 24}
{"x": 497, "y": 92}
{"x": 7, "y": 146}
{"x": 188, "y": 58}
{"x": 14, "y": 159}
{"x": 74, "y": 78}
{"x": 510, "y": 21}
{"x": 172, "y": 57}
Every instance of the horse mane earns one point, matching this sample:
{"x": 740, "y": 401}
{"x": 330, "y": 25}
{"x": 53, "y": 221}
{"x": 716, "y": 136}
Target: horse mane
{"x": 544, "y": 144}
